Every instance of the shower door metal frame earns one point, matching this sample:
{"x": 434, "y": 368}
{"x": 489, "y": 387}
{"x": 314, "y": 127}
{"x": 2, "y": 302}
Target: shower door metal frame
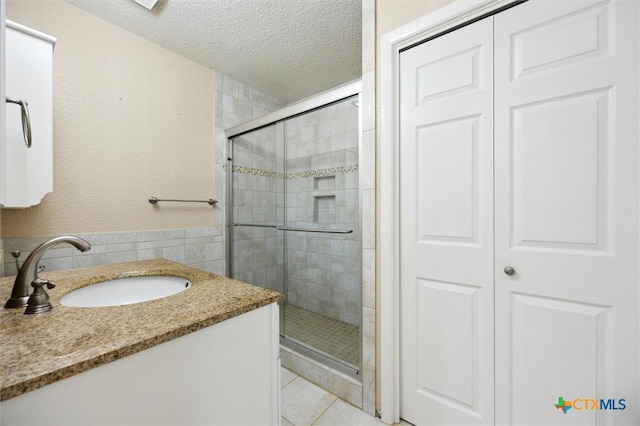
{"x": 292, "y": 110}
{"x": 278, "y": 118}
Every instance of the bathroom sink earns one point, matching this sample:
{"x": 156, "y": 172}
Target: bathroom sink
{"x": 125, "y": 291}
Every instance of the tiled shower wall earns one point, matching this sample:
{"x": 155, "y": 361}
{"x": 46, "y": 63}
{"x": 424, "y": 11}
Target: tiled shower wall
{"x": 199, "y": 247}
{"x": 323, "y": 269}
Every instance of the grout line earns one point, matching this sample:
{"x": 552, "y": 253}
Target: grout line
{"x": 281, "y": 389}
{"x": 321, "y": 414}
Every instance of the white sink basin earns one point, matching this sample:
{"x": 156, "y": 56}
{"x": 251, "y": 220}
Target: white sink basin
{"x": 125, "y": 291}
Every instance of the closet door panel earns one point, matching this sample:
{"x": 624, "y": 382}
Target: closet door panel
{"x": 559, "y": 173}
{"x": 448, "y": 152}
{"x": 566, "y": 199}
{"x": 446, "y": 209}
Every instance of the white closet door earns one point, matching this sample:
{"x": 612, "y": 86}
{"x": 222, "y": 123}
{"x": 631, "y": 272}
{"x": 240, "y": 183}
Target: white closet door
{"x": 446, "y": 209}
{"x": 566, "y": 171}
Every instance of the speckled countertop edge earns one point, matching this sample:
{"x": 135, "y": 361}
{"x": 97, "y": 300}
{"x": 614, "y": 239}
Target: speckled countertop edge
{"x": 36, "y": 350}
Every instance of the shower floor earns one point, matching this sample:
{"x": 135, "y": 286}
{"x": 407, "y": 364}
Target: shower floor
{"x": 335, "y": 338}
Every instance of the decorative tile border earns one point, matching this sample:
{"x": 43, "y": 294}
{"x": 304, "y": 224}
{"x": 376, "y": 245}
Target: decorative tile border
{"x": 332, "y": 171}
{"x": 257, "y": 172}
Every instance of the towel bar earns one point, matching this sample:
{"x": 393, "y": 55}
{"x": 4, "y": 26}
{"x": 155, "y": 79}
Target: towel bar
{"x": 210, "y": 201}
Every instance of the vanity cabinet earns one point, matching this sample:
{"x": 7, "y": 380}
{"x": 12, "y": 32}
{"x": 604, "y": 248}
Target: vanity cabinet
{"x": 26, "y": 172}
{"x": 224, "y": 374}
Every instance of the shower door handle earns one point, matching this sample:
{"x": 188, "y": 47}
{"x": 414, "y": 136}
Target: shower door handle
{"x": 255, "y": 225}
{"x": 324, "y": 231}
{"x": 287, "y": 228}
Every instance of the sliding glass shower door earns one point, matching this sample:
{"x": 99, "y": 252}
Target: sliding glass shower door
{"x": 257, "y": 199}
{"x": 295, "y": 225}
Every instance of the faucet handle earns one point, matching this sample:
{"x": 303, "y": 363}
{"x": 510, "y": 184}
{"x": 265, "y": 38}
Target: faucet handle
{"x": 38, "y": 283}
{"x": 16, "y": 254}
{"x": 39, "y": 300}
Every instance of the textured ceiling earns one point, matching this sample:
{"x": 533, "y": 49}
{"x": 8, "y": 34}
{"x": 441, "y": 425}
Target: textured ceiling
{"x": 288, "y": 49}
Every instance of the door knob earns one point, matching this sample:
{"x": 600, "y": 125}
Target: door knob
{"x": 509, "y": 270}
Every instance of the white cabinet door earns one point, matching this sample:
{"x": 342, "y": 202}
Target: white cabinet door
{"x": 224, "y": 374}
{"x": 566, "y": 143}
{"x": 26, "y": 174}
{"x": 446, "y": 290}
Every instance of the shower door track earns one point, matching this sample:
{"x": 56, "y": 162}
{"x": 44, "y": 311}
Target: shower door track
{"x": 343, "y": 367}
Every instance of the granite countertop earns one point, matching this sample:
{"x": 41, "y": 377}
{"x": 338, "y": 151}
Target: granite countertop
{"x": 36, "y": 350}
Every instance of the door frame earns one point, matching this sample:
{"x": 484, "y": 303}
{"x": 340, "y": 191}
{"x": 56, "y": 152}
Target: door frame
{"x": 442, "y": 20}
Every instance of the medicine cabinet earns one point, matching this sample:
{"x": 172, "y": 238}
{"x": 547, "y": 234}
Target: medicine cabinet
{"x": 26, "y": 142}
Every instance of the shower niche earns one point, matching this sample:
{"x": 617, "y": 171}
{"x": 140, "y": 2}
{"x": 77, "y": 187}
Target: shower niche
{"x": 294, "y": 216}
{"x": 324, "y": 208}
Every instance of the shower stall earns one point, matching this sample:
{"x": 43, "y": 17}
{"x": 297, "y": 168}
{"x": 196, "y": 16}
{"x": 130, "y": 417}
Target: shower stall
{"x": 294, "y": 221}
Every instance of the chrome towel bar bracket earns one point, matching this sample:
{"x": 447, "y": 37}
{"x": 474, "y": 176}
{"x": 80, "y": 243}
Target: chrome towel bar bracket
{"x": 210, "y": 201}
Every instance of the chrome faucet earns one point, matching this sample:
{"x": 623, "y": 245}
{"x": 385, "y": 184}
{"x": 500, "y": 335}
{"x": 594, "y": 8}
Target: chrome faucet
{"x": 28, "y": 273}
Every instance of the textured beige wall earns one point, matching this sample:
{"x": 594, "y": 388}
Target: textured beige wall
{"x": 392, "y": 14}
{"x": 131, "y": 120}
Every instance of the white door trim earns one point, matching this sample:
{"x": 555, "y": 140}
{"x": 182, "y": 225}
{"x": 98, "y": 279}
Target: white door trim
{"x": 441, "y": 20}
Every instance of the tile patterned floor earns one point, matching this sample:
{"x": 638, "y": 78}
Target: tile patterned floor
{"x": 333, "y": 337}
{"x": 305, "y": 404}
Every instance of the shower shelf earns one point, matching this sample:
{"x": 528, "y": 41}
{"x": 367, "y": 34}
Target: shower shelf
{"x": 286, "y": 228}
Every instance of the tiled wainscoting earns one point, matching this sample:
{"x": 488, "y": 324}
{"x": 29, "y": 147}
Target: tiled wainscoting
{"x": 198, "y": 247}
